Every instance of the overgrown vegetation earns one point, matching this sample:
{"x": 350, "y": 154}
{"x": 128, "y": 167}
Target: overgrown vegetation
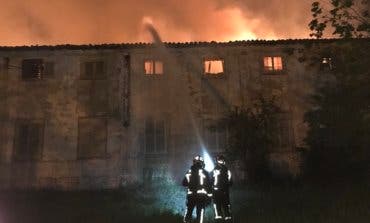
{"x": 258, "y": 204}
{"x": 345, "y": 18}
{"x": 339, "y": 121}
{"x": 251, "y": 135}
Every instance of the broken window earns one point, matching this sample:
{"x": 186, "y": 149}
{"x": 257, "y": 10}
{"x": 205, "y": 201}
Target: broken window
{"x": 152, "y": 67}
{"x": 32, "y": 69}
{"x": 214, "y": 67}
{"x": 93, "y": 70}
{"x": 155, "y": 136}
{"x": 29, "y": 136}
{"x": 92, "y": 138}
{"x": 272, "y": 64}
{"x": 36, "y": 69}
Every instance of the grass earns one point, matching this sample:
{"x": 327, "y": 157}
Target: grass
{"x": 165, "y": 203}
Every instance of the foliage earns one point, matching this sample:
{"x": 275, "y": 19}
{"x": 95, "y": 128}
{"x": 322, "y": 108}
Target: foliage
{"x": 339, "y": 121}
{"x": 347, "y": 18}
{"x": 251, "y": 133}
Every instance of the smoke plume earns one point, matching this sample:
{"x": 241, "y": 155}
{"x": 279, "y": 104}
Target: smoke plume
{"x": 25, "y": 22}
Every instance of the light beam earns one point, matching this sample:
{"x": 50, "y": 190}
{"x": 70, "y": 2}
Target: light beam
{"x": 209, "y": 165}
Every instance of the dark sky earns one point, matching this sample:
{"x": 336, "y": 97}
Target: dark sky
{"x": 25, "y": 22}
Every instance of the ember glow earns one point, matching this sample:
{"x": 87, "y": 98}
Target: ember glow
{"x": 26, "y": 22}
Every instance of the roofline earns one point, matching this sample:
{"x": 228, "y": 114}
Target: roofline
{"x": 176, "y": 44}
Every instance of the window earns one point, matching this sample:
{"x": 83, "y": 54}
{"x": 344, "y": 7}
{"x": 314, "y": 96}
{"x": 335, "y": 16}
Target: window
{"x": 153, "y": 67}
{"x": 326, "y": 63}
{"x": 36, "y": 69}
{"x": 272, "y": 64}
{"x": 32, "y": 69}
{"x": 213, "y": 67}
{"x": 284, "y": 131}
{"x": 215, "y": 137}
{"x": 93, "y": 70}
{"x": 92, "y": 138}
{"x": 29, "y": 136}
{"x": 155, "y": 136}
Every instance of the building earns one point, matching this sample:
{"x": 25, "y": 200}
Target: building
{"x": 102, "y": 116}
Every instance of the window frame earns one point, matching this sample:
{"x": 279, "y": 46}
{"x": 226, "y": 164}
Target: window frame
{"x": 16, "y": 142}
{"x": 155, "y": 151}
{"x": 94, "y": 76}
{"x": 43, "y": 72}
{"x": 153, "y": 61}
{"x": 213, "y": 75}
{"x": 273, "y": 71}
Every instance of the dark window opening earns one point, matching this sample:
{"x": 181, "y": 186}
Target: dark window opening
{"x": 93, "y": 70}
{"x": 32, "y": 69}
{"x": 29, "y": 138}
{"x": 155, "y": 136}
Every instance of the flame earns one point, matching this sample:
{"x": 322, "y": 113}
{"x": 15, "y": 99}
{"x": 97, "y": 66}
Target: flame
{"x": 243, "y": 29}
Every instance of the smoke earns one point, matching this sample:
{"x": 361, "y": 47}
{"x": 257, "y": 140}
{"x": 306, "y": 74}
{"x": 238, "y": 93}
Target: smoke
{"x": 106, "y": 21}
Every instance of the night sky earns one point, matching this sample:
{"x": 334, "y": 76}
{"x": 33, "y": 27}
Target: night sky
{"x": 26, "y": 22}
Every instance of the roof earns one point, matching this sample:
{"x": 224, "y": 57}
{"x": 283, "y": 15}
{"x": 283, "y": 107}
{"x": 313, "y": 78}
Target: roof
{"x": 178, "y": 44}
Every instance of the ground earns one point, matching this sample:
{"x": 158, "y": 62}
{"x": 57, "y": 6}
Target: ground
{"x": 276, "y": 202}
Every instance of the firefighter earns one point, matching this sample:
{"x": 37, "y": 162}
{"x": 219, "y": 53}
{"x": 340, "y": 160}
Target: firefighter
{"x": 198, "y": 185}
{"x": 221, "y": 182}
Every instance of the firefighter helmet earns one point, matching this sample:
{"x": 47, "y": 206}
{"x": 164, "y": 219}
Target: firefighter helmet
{"x": 220, "y": 159}
{"x": 198, "y": 160}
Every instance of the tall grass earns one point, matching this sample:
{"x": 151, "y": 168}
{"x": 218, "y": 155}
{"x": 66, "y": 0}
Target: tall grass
{"x": 165, "y": 203}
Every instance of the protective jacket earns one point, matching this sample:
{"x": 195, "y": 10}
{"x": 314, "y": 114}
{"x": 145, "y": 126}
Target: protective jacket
{"x": 221, "y": 182}
{"x": 221, "y": 178}
{"x": 198, "y": 182}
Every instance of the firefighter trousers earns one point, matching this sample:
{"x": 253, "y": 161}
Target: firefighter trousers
{"x": 221, "y": 205}
{"x": 195, "y": 200}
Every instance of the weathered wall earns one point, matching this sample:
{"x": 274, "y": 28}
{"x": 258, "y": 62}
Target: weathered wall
{"x": 176, "y": 100}
{"x": 57, "y": 102}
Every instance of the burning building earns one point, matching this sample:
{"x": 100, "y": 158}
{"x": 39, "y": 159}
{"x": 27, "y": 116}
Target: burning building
{"x": 102, "y": 116}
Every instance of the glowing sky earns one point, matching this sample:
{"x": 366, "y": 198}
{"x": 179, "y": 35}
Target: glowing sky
{"x": 25, "y": 22}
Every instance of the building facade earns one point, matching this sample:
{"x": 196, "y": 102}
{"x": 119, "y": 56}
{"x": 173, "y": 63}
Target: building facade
{"x": 104, "y": 116}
